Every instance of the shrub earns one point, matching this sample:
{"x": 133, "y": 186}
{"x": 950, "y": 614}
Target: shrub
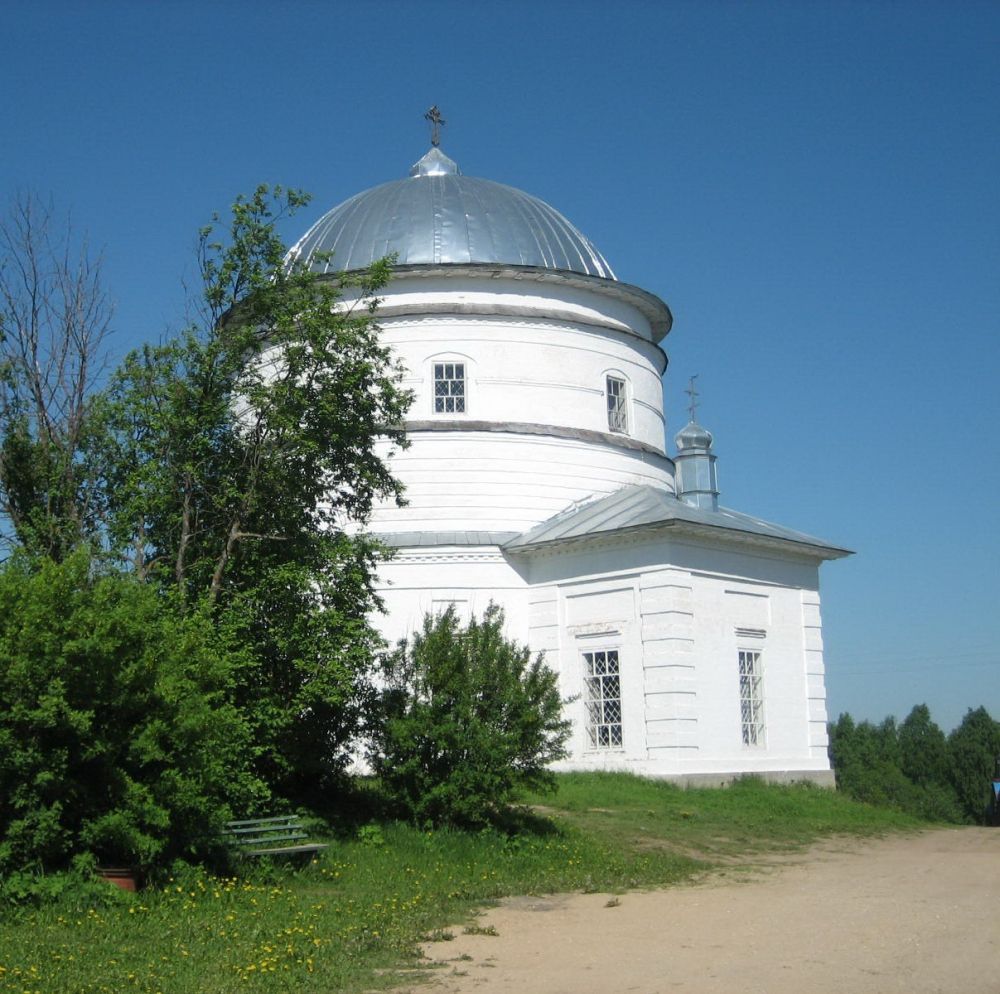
{"x": 117, "y": 735}
{"x": 467, "y": 718}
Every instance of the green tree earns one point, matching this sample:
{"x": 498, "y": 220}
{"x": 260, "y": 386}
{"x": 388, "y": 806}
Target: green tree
{"x": 242, "y": 460}
{"x": 923, "y": 748}
{"x": 973, "y": 748}
{"x": 261, "y": 426}
{"x": 905, "y": 767}
{"x": 866, "y": 760}
{"x": 467, "y": 719}
{"x": 923, "y": 752}
{"x": 118, "y": 734}
{"x": 842, "y": 747}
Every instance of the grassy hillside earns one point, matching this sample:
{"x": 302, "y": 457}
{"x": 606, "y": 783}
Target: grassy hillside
{"x": 346, "y": 920}
{"x": 748, "y": 818}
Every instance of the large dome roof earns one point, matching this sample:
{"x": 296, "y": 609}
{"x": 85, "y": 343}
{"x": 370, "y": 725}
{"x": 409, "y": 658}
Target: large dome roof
{"x": 438, "y": 216}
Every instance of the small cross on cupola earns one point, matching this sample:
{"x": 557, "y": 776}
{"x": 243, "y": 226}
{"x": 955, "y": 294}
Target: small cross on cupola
{"x": 693, "y": 394}
{"x": 436, "y": 123}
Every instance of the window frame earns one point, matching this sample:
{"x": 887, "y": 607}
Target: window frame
{"x": 448, "y": 369}
{"x": 604, "y": 715}
{"x": 753, "y": 723}
{"x": 618, "y": 414}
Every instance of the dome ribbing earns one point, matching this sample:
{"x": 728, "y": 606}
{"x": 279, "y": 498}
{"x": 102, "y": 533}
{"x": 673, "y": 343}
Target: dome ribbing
{"x": 438, "y": 216}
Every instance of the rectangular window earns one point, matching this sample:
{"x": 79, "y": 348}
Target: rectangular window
{"x": 617, "y": 413}
{"x": 752, "y": 697}
{"x": 603, "y": 697}
{"x": 449, "y": 388}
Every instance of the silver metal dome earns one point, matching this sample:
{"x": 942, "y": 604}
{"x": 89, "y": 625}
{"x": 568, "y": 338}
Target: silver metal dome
{"x": 693, "y": 436}
{"x": 438, "y": 216}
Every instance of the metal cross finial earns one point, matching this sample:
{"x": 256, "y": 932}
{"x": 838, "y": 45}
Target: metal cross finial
{"x": 693, "y": 394}
{"x": 434, "y": 116}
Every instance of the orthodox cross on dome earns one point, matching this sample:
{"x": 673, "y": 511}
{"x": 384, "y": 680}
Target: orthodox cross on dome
{"x": 693, "y": 394}
{"x": 436, "y": 121}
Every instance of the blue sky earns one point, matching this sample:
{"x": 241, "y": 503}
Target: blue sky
{"x": 813, "y": 187}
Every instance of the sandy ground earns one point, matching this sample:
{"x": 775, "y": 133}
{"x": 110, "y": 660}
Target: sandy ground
{"x": 912, "y": 914}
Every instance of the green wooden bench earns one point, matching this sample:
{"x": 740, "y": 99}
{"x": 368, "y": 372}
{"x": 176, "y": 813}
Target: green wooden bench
{"x": 280, "y": 836}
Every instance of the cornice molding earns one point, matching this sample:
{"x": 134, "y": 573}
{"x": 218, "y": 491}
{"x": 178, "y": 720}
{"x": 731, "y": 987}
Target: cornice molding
{"x": 650, "y": 306}
{"x": 526, "y": 428}
{"x": 423, "y": 554}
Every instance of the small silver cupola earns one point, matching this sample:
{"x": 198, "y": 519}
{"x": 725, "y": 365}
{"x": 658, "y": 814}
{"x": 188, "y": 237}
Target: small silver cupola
{"x": 435, "y": 163}
{"x": 697, "y": 478}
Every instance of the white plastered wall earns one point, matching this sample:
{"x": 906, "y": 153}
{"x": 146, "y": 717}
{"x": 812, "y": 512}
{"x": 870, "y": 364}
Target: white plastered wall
{"x": 678, "y": 613}
{"x": 506, "y": 482}
{"x": 425, "y": 580}
{"x": 530, "y": 369}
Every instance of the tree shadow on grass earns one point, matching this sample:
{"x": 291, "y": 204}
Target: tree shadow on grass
{"x": 359, "y": 802}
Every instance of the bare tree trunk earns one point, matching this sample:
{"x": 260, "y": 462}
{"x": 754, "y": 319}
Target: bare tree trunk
{"x": 220, "y": 566}
{"x": 180, "y": 565}
{"x": 139, "y": 542}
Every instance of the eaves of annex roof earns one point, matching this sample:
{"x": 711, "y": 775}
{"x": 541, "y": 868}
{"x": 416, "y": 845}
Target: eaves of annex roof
{"x": 461, "y": 537}
{"x": 649, "y": 508}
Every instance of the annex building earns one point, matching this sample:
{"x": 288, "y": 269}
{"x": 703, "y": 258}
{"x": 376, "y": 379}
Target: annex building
{"x": 538, "y": 476}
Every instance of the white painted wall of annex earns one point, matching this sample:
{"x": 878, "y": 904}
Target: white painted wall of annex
{"x": 673, "y": 610}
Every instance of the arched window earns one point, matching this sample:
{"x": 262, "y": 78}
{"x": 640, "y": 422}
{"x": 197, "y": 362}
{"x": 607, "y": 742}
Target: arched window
{"x": 449, "y": 374}
{"x": 616, "y": 391}
{"x": 449, "y": 388}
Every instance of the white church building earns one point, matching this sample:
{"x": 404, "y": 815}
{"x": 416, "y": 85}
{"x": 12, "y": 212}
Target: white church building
{"x": 687, "y": 635}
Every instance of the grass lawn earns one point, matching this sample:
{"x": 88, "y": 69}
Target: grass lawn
{"x": 344, "y": 922}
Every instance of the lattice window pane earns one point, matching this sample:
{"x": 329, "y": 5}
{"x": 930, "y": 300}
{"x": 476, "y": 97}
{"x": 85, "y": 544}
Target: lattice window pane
{"x": 449, "y": 388}
{"x": 751, "y": 674}
{"x": 602, "y": 693}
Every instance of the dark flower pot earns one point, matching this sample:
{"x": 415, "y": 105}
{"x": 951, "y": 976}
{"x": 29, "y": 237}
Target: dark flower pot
{"x": 124, "y": 877}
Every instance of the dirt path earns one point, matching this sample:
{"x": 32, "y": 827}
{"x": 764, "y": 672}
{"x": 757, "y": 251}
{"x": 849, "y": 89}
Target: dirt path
{"x": 912, "y": 915}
